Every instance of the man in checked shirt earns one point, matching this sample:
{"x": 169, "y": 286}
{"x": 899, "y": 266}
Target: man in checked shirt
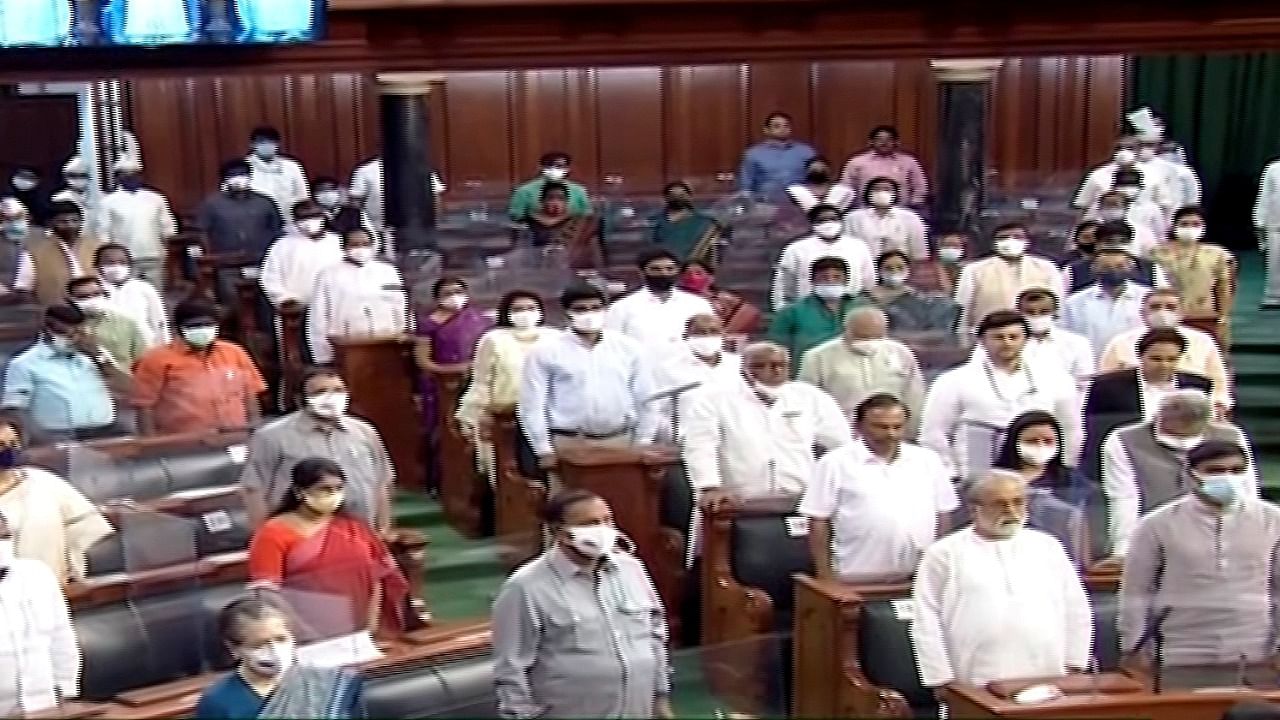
{"x": 579, "y": 631}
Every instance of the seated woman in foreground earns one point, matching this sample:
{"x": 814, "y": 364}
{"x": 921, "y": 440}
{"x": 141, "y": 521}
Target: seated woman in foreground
{"x": 909, "y": 310}
{"x": 268, "y": 682}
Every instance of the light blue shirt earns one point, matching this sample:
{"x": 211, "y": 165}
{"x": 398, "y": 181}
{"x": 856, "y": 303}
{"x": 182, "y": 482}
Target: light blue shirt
{"x": 1099, "y": 317}
{"x": 769, "y": 167}
{"x": 60, "y": 391}
{"x": 599, "y": 390}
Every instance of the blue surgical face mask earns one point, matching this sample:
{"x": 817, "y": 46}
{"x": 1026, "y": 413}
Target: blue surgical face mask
{"x": 1223, "y": 489}
{"x": 9, "y": 458}
{"x": 16, "y": 229}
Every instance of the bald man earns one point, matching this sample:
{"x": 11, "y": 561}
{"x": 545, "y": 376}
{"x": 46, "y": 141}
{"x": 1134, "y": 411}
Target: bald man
{"x": 699, "y": 360}
{"x": 998, "y": 600}
{"x": 863, "y": 362}
{"x": 755, "y": 436}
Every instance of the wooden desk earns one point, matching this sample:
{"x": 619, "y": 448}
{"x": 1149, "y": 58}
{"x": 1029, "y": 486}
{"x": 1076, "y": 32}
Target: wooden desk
{"x": 462, "y": 490}
{"x": 379, "y": 377}
{"x": 966, "y": 701}
{"x": 517, "y": 500}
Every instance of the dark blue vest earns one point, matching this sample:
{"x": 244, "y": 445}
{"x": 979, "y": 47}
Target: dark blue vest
{"x": 1144, "y": 272}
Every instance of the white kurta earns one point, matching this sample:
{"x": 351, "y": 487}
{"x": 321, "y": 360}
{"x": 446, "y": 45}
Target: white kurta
{"x": 895, "y": 228}
{"x": 139, "y": 301}
{"x": 39, "y": 658}
{"x": 656, "y": 323}
{"x": 141, "y": 221}
{"x": 52, "y": 521}
{"x": 989, "y": 610}
{"x": 791, "y": 281}
{"x": 293, "y": 264}
{"x": 681, "y": 369}
{"x": 355, "y": 301}
{"x": 282, "y": 179}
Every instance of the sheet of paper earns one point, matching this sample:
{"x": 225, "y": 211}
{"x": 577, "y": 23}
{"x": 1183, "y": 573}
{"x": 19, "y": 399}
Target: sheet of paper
{"x": 797, "y": 525}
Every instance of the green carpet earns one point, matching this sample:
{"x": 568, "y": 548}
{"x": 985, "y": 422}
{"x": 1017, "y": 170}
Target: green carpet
{"x": 1255, "y": 362}
{"x": 462, "y": 575}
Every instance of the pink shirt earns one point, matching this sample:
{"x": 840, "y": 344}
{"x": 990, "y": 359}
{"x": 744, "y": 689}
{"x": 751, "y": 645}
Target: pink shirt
{"x": 900, "y": 166}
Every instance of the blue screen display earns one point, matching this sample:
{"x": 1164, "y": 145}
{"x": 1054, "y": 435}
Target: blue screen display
{"x": 154, "y": 23}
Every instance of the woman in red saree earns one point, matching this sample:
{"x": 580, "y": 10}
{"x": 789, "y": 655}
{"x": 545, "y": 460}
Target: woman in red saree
{"x": 553, "y": 225}
{"x": 738, "y": 316}
{"x": 334, "y": 572}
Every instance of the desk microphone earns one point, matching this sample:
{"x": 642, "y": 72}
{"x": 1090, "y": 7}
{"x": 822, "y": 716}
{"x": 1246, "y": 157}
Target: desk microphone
{"x": 674, "y": 394}
{"x": 1093, "y": 674}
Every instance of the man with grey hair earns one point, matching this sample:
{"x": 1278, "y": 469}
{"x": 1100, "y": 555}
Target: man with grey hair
{"x": 1143, "y": 463}
{"x": 864, "y": 362}
{"x": 998, "y": 600}
{"x": 756, "y": 436}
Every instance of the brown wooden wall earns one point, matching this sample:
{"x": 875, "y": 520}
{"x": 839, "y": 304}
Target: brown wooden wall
{"x": 643, "y": 125}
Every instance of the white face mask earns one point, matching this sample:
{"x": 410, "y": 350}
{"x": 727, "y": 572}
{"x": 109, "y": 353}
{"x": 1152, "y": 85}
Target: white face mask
{"x": 272, "y": 660}
{"x": 1011, "y": 246}
{"x": 456, "y": 301}
{"x": 94, "y": 305}
{"x": 588, "y": 322}
{"x": 1146, "y": 154}
{"x": 950, "y": 254}
{"x": 1164, "y": 319}
{"x": 78, "y": 183}
{"x": 1125, "y": 156}
{"x": 829, "y": 230}
{"x": 265, "y": 150}
{"x": 329, "y": 405}
{"x": 829, "y": 292}
{"x": 866, "y": 346}
{"x": 201, "y": 336}
{"x": 328, "y": 198}
{"x": 238, "y": 182}
{"x": 115, "y": 273}
{"x": 360, "y": 255}
{"x": 555, "y": 173}
{"x": 883, "y": 198}
{"x": 525, "y": 319}
{"x": 1181, "y": 444}
{"x": 895, "y": 279}
{"x": 312, "y": 226}
{"x": 1036, "y": 454}
{"x": 1129, "y": 191}
{"x": 594, "y": 540}
{"x": 24, "y": 184}
{"x": 705, "y": 345}
{"x": 7, "y": 552}
{"x": 1188, "y": 233}
{"x": 768, "y": 392}
{"x": 1111, "y": 214}
{"x": 1040, "y": 323}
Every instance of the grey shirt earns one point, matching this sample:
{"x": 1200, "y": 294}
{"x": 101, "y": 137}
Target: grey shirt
{"x": 246, "y": 223}
{"x": 570, "y": 641}
{"x": 351, "y": 443}
{"x": 1216, "y": 572}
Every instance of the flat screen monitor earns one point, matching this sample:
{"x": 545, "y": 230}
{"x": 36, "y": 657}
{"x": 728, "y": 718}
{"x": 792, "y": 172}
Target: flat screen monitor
{"x": 158, "y": 23}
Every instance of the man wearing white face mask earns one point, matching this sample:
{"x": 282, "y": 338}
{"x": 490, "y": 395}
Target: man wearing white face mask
{"x": 588, "y": 386}
{"x": 993, "y": 283}
{"x": 579, "y": 631}
{"x": 1144, "y": 219}
{"x": 131, "y": 296}
{"x": 1143, "y": 463}
{"x": 294, "y": 262}
{"x": 77, "y": 188}
{"x": 278, "y": 177}
{"x": 17, "y": 269}
{"x": 122, "y": 337}
{"x": 526, "y": 200}
{"x": 865, "y": 362}
{"x": 321, "y": 429}
{"x": 358, "y": 297}
{"x": 39, "y": 657}
{"x": 998, "y": 600}
{"x": 1050, "y": 344}
{"x": 791, "y": 280}
{"x": 1207, "y": 562}
{"x": 1102, "y": 178}
{"x": 138, "y": 218}
{"x": 701, "y": 361}
{"x": 755, "y": 437}
{"x": 885, "y": 225}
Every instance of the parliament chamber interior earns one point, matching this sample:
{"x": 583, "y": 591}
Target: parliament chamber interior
{"x": 639, "y": 358}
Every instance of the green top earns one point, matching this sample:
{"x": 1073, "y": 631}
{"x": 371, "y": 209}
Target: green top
{"x": 526, "y": 200}
{"x": 119, "y": 336}
{"x": 807, "y": 323}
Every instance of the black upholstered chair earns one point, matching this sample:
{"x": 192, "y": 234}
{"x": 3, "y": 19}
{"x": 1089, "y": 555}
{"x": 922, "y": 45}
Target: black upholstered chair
{"x": 457, "y": 689}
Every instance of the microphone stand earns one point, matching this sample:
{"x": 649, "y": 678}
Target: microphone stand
{"x": 1157, "y": 640}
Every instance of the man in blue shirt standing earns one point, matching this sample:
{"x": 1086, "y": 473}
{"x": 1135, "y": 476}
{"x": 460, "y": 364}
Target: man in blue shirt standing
{"x": 768, "y": 167}
{"x": 62, "y": 385}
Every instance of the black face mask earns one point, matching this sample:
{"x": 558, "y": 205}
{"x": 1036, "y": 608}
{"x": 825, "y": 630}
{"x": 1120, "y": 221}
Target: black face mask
{"x": 660, "y": 283}
{"x": 1086, "y": 248}
{"x": 818, "y": 176}
{"x": 679, "y": 203}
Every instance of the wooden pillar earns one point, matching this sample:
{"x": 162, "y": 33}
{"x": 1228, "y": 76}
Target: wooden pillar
{"x": 379, "y": 373}
{"x": 517, "y": 499}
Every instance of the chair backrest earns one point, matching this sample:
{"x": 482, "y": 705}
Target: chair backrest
{"x": 885, "y": 652}
{"x": 676, "y": 502}
{"x": 767, "y": 549}
{"x": 455, "y": 689}
{"x": 1106, "y": 636}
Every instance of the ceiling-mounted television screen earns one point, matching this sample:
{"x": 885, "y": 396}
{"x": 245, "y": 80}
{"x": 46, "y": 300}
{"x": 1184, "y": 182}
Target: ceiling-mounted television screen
{"x": 157, "y": 23}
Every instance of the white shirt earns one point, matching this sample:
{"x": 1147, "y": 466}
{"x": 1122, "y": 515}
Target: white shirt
{"x": 656, "y": 323}
{"x": 897, "y": 228}
{"x": 367, "y": 185}
{"x": 989, "y": 610}
{"x": 1099, "y": 317}
{"x": 39, "y": 656}
{"x": 968, "y": 407}
{"x": 597, "y": 389}
{"x": 139, "y": 300}
{"x": 141, "y": 221}
{"x": 282, "y": 179}
{"x": 293, "y": 263}
{"x": 353, "y": 300}
{"x": 1186, "y": 184}
{"x": 884, "y": 513}
{"x": 791, "y": 279}
{"x": 683, "y": 368}
{"x": 1123, "y": 488}
{"x": 1102, "y": 179}
{"x": 1069, "y": 351}
{"x": 1266, "y": 211}
{"x": 734, "y": 441}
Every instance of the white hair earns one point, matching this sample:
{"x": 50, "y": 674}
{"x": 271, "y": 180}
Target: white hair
{"x": 1186, "y": 406}
{"x": 995, "y": 476}
{"x": 760, "y": 346}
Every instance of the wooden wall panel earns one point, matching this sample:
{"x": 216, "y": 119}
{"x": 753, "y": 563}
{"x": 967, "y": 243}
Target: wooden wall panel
{"x": 1050, "y": 119}
{"x": 38, "y": 131}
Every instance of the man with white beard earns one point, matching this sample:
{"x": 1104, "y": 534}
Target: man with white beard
{"x": 997, "y": 600}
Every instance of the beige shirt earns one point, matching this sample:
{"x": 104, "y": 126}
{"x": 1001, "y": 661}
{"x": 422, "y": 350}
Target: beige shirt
{"x": 851, "y": 376}
{"x": 1202, "y": 357}
{"x": 993, "y": 284}
{"x": 52, "y": 522}
{"x": 495, "y": 372}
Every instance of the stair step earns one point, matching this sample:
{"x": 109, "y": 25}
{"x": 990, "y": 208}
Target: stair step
{"x": 1263, "y": 431}
{"x": 1250, "y": 367}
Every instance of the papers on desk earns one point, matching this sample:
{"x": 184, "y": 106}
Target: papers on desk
{"x": 903, "y": 609}
{"x": 343, "y": 650}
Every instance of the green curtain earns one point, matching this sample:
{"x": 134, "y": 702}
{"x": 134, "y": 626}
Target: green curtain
{"x": 1225, "y": 109}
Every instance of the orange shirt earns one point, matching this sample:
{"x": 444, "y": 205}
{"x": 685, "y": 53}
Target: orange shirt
{"x": 189, "y": 390}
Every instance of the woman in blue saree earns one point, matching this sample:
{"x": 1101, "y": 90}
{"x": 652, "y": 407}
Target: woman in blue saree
{"x": 267, "y": 683}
